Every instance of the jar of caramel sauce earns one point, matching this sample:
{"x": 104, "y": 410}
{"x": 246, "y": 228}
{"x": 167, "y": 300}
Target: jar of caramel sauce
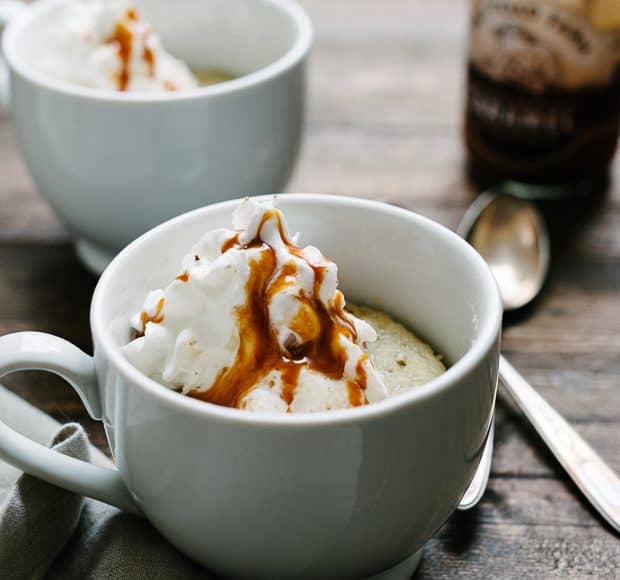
{"x": 543, "y": 94}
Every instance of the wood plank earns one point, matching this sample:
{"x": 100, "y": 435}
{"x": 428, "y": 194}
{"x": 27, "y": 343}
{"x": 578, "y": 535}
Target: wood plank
{"x": 397, "y": 62}
{"x": 23, "y": 214}
{"x": 524, "y": 529}
{"x": 520, "y": 454}
{"x": 45, "y": 288}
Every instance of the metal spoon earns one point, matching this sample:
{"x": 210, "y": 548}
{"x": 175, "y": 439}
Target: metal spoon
{"x": 511, "y": 236}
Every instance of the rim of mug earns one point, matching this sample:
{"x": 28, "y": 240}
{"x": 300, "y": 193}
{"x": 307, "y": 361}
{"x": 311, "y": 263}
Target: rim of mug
{"x": 295, "y": 53}
{"x": 487, "y": 334}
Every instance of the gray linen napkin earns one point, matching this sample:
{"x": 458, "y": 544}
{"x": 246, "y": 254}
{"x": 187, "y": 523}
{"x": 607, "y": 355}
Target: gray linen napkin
{"x": 47, "y": 532}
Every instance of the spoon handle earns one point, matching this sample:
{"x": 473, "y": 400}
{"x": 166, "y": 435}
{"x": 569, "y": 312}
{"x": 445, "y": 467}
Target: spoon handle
{"x": 593, "y": 476}
{"x": 478, "y": 484}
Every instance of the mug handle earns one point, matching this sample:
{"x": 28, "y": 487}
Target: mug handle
{"x": 8, "y": 10}
{"x": 40, "y": 351}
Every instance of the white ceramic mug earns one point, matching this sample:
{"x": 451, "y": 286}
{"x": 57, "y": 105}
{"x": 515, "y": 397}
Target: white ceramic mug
{"x": 113, "y": 165}
{"x": 338, "y": 494}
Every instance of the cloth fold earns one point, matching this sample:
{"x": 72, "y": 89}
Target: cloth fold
{"x": 47, "y": 532}
{"x": 38, "y": 518}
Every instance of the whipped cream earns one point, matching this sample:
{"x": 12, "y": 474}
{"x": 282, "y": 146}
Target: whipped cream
{"x": 107, "y": 44}
{"x": 255, "y": 322}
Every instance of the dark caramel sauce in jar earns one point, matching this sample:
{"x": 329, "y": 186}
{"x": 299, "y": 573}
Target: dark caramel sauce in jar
{"x": 318, "y": 329}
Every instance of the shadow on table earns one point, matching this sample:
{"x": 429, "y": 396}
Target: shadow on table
{"x": 461, "y": 531}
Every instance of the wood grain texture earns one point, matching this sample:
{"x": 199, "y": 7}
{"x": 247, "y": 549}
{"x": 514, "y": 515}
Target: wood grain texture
{"x": 384, "y": 123}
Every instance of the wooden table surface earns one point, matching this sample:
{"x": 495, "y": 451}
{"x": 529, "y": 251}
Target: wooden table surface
{"x": 386, "y": 85}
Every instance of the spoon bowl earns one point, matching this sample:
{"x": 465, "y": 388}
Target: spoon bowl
{"x": 510, "y": 234}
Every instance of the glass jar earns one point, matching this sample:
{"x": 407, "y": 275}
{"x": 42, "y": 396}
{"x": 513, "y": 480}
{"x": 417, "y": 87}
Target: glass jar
{"x": 543, "y": 94}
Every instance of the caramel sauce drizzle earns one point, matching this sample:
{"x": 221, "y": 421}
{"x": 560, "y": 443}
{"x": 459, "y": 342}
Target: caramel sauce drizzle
{"x": 355, "y": 394}
{"x": 360, "y": 372}
{"x": 319, "y": 329}
{"x": 230, "y": 243}
{"x": 123, "y": 37}
{"x": 155, "y": 319}
{"x": 184, "y": 277}
{"x": 149, "y": 58}
{"x": 355, "y": 389}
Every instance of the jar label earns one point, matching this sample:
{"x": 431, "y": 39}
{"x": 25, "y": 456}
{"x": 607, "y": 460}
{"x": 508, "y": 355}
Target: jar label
{"x": 543, "y": 95}
{"x": 541, "y": 45}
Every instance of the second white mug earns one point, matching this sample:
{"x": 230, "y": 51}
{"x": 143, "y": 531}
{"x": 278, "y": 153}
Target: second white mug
{"x": 113, "y": 165}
